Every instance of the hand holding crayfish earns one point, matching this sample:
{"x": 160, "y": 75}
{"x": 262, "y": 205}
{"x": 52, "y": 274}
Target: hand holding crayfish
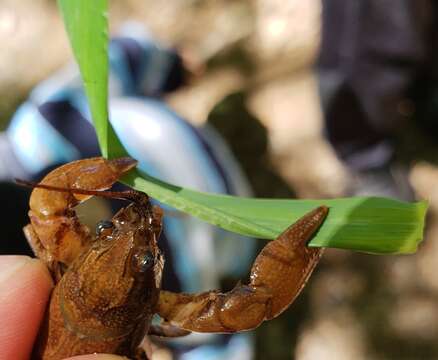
{"x": 25, "y": 286}
{"x": 109, "y": 286}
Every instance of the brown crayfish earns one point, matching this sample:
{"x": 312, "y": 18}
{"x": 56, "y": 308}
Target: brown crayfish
{"x": 108, "y": 286}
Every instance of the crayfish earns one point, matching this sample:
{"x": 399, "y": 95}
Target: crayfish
{"x": 108, "y": 285}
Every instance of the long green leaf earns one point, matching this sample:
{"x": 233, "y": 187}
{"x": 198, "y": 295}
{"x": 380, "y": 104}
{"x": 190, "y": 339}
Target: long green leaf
{"x": 86, "y": 22}
{"x": 373, "y": 225}
{"x": 369, "y": 224}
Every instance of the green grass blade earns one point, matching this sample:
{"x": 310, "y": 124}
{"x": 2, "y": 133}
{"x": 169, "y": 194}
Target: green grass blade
{"x": 369, "y": 224}
{"x": 372, "y": 225}
{"x": 86, "y": 22}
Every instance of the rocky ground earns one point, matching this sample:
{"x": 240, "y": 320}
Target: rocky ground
{"x": 254, "y": 63}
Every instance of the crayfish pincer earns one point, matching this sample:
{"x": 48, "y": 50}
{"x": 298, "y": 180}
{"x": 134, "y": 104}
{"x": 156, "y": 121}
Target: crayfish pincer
{"x": 108, "y": 285}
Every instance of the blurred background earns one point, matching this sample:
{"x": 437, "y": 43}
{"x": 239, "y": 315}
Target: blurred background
{"x": 314, "y": 101}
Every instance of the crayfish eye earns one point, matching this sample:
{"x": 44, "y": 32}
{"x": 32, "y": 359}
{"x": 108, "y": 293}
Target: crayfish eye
{"x": 103, "y": 225}
{"x": 143, "y": 262}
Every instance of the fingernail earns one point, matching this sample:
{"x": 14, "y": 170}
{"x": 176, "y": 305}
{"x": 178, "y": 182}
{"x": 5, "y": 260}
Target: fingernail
{"x": 10, "y": 265}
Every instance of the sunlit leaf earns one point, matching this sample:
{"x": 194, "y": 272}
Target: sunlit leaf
{"x": 86, "y": 22}
{"x": 369, "y": 224}
{"x": 373, "y": 225}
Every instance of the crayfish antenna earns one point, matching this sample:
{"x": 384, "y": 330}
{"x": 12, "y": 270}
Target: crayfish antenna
{"x": 132, "y": 195}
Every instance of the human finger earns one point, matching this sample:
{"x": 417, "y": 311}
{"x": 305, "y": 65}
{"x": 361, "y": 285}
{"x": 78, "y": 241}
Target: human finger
{"x": 25, "y": 285}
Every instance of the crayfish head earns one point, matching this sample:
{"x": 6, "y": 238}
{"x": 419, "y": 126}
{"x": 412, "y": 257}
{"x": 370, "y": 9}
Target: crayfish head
{"x": 136, "y": 231}
{"x": 119, "y": 278}
{"x": 126, "y": 248}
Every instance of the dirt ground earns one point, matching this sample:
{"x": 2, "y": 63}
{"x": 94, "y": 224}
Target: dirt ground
{"x": 257, "y": 58}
